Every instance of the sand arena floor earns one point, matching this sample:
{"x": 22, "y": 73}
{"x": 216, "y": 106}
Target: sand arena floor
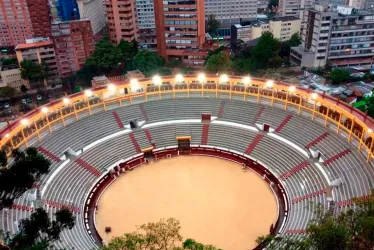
{"x": 214, "y": 200}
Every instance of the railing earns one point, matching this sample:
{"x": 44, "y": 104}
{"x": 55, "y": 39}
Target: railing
{"x": 356, "y": 124}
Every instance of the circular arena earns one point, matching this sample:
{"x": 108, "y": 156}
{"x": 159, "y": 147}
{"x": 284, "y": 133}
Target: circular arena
{"x": 107, "y": 143}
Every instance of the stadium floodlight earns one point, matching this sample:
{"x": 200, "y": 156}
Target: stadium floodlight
{"x": 370, "y": 131}
{"x": 179, "y": 78}
{"x": 111, "y": 87}
{"x": 314, "y": 96}
{"x": 269, "y": 83}
{"x": 157, "y": 80}
{"x": 246, "y": 80}
{"x": 201, "y": 78}
{"x": 45, "y": 110}
{"x": 66, "y": 100}
{"x": 24, "y": 122}
{"x": 134, "y": 84}
{"x": 224, "y": 79}
{"x": 7, "y": 135}
{"x": 292, "y": 88}
{"x": 88, "y": 92}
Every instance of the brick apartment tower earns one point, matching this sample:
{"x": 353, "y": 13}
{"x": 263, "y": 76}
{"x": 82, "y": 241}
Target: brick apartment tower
{"x": 40, "y": 15}
{"x": 74, "y": 43}
{"x": 23, "y": 19}
{"x": 122, "y": 20}
{"x": 180, "y": 26}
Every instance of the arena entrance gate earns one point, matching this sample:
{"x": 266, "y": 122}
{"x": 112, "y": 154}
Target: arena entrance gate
{"x": 184, "y": 144}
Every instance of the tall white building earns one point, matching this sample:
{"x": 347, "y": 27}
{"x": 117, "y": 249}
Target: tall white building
{"x": 94, "y": 11}
{"x": 294, "y": 7}
{"x": 231, "y": 11}
{"x": 146, "y": 15}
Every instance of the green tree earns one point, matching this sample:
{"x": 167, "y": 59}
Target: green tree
{"x": 148, "y": 62}
{"x": 273, "y": 4}
{"x": 266, "y": 51}
{"x": 7, "y": 92}
{"x": 285, "y": 47}
{"x": 128, "y": 49}
{"x": 28, "y": 166}
{"x": 37, "y": 232}
{"x": 218, "y": 63}
{"x": 105, "y": 57}
{"x": 242, "y": 66}
{"x": 33, "y": 72}
{"x": 24, "y": 89}
{"x": 9, "y": 61}
{"x": 163, "y": 234}
{"x": 212, "y": 25}
{"x": 338, "y": 75}
{"x": 174, "y": 63}
{"x": 349, "y": 229}
{"x": 191, "y": 244}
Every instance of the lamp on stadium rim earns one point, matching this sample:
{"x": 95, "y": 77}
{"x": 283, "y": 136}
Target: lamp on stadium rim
{"x": 111, "y": 87}
{"x": 157, "y": 80}
{"x": 246, "y": 80}
{"x": 224, "y": 79}
{"x": 24, "y": 122}
{"x": 179, "y": 78}
{"x": 7, "y": 135}
{"x": 292, "y": 88}
{"x": 66, "y": 100}
{"x": 134, "y": 84}
{"x": 88, "y": 92}
{"x": 314, "y": 95}
{"x": 269, "y": 83}
{"x": 45, "y": 110}
{"x": 201, "y": 78}
{"x": 370, "y": 131}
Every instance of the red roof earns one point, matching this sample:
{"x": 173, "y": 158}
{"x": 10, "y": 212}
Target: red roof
{"x": 33, "y": 45}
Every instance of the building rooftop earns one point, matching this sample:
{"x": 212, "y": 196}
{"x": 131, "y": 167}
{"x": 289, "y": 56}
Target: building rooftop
{"x": 285, "y": 18}
{"x": 33, "y": 45}
{"x": 9, "y": 67}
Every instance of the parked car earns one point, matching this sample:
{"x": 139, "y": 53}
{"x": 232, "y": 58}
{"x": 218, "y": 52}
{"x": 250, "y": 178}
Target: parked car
{"x": 39, "y": 97}
{"x": 6, "y": 105}
{"x": 28, "y": 100}
{"x": 23, "y": 101}
{"x": 50, "y": 95}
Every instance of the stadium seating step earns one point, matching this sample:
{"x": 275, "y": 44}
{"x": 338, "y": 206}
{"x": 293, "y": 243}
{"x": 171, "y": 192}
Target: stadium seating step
{"x": 317, "y": 140}
{"x": 88, "y": 167}
{"x": 135, "y": 143}
{"x": 294, "y": 170}
{"x": 283, "y": 123}
{"x": 48, "y": 154}
{"x": 336, "y": 157}
{"x": 118, "y": 120}
{"x": 253, "y": 144}
{"x": 205, "y": 134}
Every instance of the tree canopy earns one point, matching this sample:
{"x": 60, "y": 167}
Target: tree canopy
{"x": 38, "y": 232}
{"x": 148, "y": 62}
{"x": 33, "y": 72}
{"x": 339, "y": 75}
{"x": 128, "y": 49}
{"x": 349, "y": 229}
{"x": 265, "y": 53}
{"x": 212, "y": 25}
{"x": 161, "y": 235}
{"x": 28, "y": 166}
{"x": 7, "y": 92}
{"x": 218, "y": 63}
{"x": 105, "y": 57}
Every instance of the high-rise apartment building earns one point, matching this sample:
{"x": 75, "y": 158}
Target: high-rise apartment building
{"x": 146, "y": 23}
{"x": 293, "y": 7}
{"x": 67, "y": 10}
{"x": 40, "y": 16}
{"x": 40, "y": 50}
{"x": 94, "y": 11}
{"x": 122, "y": 20}
{"x": 180, "y": 27}
{"x": 23, "y": 19}
{"x": 231, "y": 11}
{"x": 15, "y": 23}
{"x": 343, "y": 36}
{"x": 74, "y": 43}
